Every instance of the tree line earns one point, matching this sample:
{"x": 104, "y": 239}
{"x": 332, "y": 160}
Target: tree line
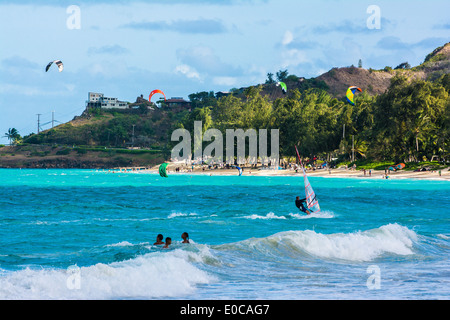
{"x": 409, "y": 122}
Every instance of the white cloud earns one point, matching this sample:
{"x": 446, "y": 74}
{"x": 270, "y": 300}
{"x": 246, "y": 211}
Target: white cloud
{"x": 23, "y": 89}
{"x": 199, "y": 26}
{"x": 287, "y": 38}
{"x": 225, "y": 81}
{"x": 293, "y": 57}
{"x": 96, "y": 69}
{"x": 207, "y": 62}
{"x": 189, "y": 72}
{"x": 109, "y": 49}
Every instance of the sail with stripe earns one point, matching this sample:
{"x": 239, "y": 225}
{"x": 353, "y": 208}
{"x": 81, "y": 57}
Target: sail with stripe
{"x": 311, "y": 200}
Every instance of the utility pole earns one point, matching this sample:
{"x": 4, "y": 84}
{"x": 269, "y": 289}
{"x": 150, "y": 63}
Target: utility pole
{"x": 353, "y": 148}
{"x": 53, "y": 118}
{"x": 132, "y": 139}
{"x": 39, "y": 115}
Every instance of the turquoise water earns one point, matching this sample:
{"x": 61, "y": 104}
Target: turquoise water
{"x": 82, "y": 234}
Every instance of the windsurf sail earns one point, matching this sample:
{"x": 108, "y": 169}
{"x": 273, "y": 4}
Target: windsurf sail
{"x": 311, "y": 200}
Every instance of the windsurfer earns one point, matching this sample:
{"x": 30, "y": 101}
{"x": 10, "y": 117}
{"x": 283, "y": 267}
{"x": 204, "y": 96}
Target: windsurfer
{"x": 299, "y": 204}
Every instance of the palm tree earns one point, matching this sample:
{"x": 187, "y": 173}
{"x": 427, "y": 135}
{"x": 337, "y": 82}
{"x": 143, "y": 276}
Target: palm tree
{"x": 12, "y": 134}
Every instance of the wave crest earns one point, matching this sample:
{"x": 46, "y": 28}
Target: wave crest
{"x": 273, "y": 216}
{"x": 358, "y": 246}
{"x": 154, "y": 275}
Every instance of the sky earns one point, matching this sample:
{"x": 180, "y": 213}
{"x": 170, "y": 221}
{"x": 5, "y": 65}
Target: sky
{"x": 127, "y": 48}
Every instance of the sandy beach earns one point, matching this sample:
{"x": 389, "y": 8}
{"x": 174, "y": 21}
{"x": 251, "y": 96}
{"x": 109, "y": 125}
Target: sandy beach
{"x": 332, "y": 173}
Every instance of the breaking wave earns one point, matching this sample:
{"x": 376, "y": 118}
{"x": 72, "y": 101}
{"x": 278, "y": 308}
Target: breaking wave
{"x": 151, "y": 276}
{"x": 357, "y": 246}
{"x": 177, "y": 272}
{"x": 273, "y": 216}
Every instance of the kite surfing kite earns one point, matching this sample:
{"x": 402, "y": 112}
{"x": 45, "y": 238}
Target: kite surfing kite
{"x": 155, "y": 92}
{"x": 283, "y": 86}
{"x": 239, "y": 170}
{"x": 350, "y": 94}
{"x": 399, "y": 166}
{"x": 58, "y": 63}
{"x": 163, "y": 170}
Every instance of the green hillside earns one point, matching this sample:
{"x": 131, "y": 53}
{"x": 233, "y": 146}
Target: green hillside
{"x": 402, "y": 115}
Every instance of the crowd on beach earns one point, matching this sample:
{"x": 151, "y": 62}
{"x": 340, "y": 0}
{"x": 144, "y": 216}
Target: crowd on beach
{"x": 319, "y": 170}
{"x": 160, "y": 237}
{"x": 249, "y": 167}
{"x": 285, "y": 167}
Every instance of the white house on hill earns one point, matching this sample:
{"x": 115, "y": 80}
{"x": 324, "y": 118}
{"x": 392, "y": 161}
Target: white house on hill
{"x": 98, "y": 100}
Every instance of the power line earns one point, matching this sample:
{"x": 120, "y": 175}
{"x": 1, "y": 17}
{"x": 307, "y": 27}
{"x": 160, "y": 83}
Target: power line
{"x": 29, "y": 127}
{"x": 53, "y": 120}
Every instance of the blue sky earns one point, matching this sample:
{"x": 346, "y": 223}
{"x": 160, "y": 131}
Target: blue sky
{"x": 128, "y": 48}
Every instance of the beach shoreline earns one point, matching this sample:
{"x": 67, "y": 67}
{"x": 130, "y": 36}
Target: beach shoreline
{"x": 332, "y": 173}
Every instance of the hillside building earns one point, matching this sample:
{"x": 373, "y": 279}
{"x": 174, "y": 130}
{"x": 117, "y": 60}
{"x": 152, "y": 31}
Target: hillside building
{"x": 178, "y": 102}
{"x": 98, "y": 100}
{"x": 221, "y": 94}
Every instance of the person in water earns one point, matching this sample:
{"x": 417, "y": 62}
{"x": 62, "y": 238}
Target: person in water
{"x": 185, "y": 237}
{"x": 168, "y": 242}
{"x": 159, "y": 240}
{"x": 299, "y": 203}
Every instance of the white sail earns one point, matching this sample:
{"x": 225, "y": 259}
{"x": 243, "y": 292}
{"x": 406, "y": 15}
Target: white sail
{"x": 311, "y": 200}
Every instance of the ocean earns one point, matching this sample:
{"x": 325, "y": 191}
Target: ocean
{"x": 87, "y": 234}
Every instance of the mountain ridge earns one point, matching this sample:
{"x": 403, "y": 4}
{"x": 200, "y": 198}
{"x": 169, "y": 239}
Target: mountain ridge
{"x": 375, "y": 82}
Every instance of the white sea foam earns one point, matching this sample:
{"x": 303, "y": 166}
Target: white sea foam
{"x": 152, "y": 276}
{"x": 319, "y": 215}
{"x": 357, "y": 246}
{"x": 177, "y": 272}
{"x": 181, "y": 214}
{"x": 268, "y": 216}
{"x": 120, "y": 244}
{"x": 271, "y": 215}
